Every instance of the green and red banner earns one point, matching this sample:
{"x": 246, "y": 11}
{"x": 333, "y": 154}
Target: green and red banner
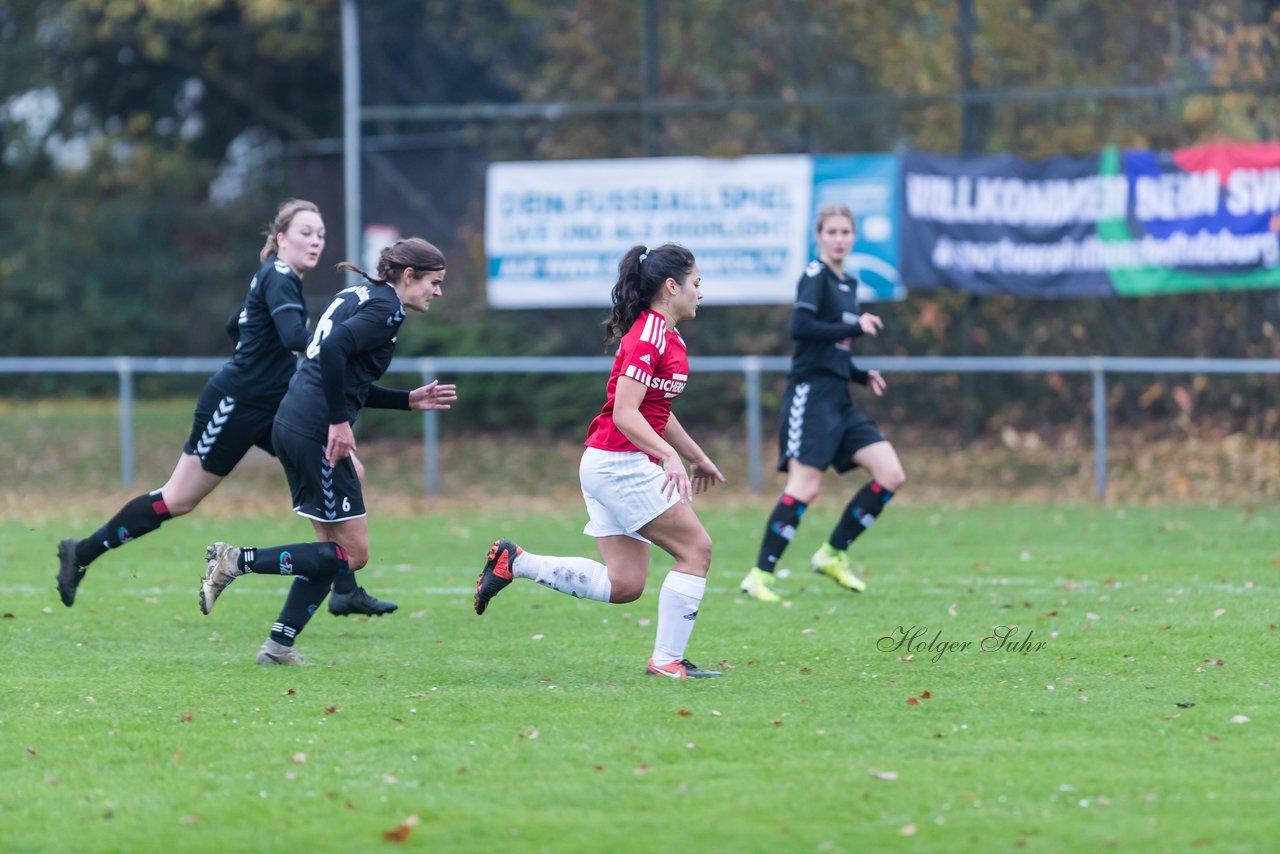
{"x": 1127, "y": 223}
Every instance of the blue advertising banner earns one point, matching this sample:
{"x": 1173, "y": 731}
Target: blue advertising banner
{"x": 868, "y": 184}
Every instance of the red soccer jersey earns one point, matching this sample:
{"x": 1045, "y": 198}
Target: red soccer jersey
{"x": 654, "y": 355}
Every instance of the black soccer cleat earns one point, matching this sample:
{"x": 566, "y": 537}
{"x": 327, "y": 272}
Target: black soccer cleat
{"x": 359, "y": 602}
{"x": 497, "y": 572}
{"x": 70, "y": 572}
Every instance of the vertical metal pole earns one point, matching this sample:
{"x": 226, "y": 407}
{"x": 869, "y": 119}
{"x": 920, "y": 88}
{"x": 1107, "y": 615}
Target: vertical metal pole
{"x": 970, "y": 143}
{"x": 1100, "y": 432}
{"x": 751, "y": 372}
{"x": 652, "y": 76}
{"x": 430, "y": 439}
{"x": 124, "y": 370}
{"x": 351, "y": 191}
{"x": 966, "y": 23}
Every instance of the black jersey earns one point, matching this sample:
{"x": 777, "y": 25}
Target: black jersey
{"x": 372, "y": 314}
{"x": 824, "y": 323}
{"x": 272, "y": 324}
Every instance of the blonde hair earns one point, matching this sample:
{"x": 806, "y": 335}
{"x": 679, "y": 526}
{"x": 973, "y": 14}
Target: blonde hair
{"x": 284, "y": 217}
{"x": 833, "y": 209}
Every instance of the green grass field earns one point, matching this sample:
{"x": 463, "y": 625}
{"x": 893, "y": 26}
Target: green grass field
{"x": 133, "y": 723}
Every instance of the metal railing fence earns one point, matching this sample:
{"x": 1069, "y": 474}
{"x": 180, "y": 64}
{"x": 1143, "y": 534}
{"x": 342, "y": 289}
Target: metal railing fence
{"x": 752, "y": 369}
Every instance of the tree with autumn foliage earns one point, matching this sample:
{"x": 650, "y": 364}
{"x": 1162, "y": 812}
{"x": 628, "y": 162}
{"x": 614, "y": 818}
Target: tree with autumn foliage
{"x": 145, "y": 142}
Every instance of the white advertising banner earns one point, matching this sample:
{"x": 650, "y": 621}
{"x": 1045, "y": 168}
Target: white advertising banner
{"x": 555, "y": 230}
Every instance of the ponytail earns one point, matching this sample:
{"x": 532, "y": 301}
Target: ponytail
{"x": 412, "y": 252}
{"x": 641, "y": 273}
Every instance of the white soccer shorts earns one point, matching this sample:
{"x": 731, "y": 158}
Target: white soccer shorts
{"x": 623, "y": 492}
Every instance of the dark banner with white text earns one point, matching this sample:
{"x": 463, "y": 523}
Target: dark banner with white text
{"x": 1126, "y": 223}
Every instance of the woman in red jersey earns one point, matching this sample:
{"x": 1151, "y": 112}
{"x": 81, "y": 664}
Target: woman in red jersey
{"x": 633, "y": 477}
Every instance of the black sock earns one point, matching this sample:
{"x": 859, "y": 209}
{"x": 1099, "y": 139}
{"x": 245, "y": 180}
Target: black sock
{"x": 858, "y": 515}
{"x": 305, "y": 560}
{"x": 344, "y": 582}
{"x": 139, "y": 516}
{"x": 780, "y": 531}
{"x": 313, "y": 567}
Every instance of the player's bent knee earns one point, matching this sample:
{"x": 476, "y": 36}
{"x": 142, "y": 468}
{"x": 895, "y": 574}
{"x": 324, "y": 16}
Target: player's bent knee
{"x": 894, "y": 480}
{"x": 697, "y": 556}
{"x": 357, "y": 558}
{"x": 620, "y": 594}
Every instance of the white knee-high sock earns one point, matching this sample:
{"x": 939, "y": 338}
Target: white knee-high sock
{"x": 677, "y": 609}
{"x": 580, "y": 577}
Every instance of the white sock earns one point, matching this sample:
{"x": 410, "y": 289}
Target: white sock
{"x": 580, "y": 577}
{"x": 677, "y": 609}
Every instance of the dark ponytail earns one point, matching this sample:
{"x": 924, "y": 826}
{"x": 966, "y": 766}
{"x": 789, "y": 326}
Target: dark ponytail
{"x": 413, "y": 252}
{"x": 641, "y": 273}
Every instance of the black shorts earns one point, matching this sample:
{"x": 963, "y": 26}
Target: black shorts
{"x": 321, "y": 492}
{"x": 820, "y": 426}
{"x": 223, "y": 431}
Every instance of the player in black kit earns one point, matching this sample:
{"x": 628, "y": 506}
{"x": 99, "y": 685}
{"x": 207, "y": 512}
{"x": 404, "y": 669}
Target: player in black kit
{"x": 820, "y": 426}
{"x": 238, "y": 403}
{"x": 349, "y": 351}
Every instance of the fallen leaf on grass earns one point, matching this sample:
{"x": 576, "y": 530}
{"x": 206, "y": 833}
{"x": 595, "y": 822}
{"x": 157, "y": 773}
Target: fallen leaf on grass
{"x": 401, "y": 831}
{"x": 176, "y": 757}
{"x": 32, "y": 750}
{"x": 288, "y": 693}
{"x": 912, "y": 701}
{"x": 776, "y": 722}
{"x": 329, "y": 710}
{"x": 925, "y": 695}
{"x": 1219, "y": 612}
{"x": 883, "y": 775}
{"x": 907, "y": 830}
{"x": 642, "y": 768}
{"x": 684, "y": 713}
{"x": 1185, "y": 705}
{"x": 299, "y": 758}
{"x": 529, "y": 732}
{"x": 906, "y": 658}
{"x": 187, "y": 717}
{"x": 418, "y": 615}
